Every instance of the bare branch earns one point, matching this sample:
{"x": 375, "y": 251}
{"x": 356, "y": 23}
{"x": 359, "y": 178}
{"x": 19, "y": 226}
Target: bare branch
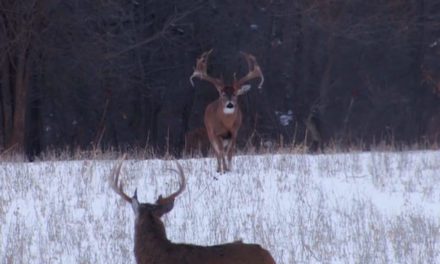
{"x": 160, "y": 34}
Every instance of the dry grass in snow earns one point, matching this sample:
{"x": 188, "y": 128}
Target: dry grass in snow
{"x": 376, "y": 207}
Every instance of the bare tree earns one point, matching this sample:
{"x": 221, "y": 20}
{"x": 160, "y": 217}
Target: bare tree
{"x": 20, "y": 25}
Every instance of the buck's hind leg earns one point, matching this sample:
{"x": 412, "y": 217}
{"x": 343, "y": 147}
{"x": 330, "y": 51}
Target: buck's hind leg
{"x": 221, "y": 164}
{"x": 226, "y": 146}
{"x": 230, "y": 148}
{"x": 227, "y": 140}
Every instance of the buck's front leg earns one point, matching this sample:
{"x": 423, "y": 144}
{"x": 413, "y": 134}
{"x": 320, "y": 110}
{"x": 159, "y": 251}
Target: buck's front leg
{"x": 230, "y": 148}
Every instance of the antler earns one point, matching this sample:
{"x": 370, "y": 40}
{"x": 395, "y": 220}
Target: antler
{"x": 182, "y": 185}
{"x": 254, "y": 71}
{"x": 114, "y": 180}
{"x": 201, "y": 71}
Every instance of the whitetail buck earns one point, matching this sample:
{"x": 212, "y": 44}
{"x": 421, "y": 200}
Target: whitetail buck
{"x": 151, "y": 244}
{"x": 223, "y": 117}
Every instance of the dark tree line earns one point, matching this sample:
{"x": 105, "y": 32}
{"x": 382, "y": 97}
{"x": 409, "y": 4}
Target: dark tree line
{"x": 114, "y": 73}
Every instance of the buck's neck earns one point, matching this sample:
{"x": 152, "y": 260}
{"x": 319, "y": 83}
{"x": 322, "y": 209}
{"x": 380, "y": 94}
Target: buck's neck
{"x": 150, "y": 237}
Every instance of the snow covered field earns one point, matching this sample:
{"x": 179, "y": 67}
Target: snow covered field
{"x": 375, "y": 207}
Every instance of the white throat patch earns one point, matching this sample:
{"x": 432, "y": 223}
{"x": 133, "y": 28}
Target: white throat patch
{"x": 228, "y": 111}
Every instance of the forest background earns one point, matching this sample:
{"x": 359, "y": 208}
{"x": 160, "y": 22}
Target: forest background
{"x": 115, "y": 73}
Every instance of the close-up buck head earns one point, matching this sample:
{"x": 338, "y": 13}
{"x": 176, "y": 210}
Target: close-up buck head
{"x": 228, "y": 93}
{"x": 223, "y": 117}
{"x": 151, "y": 244}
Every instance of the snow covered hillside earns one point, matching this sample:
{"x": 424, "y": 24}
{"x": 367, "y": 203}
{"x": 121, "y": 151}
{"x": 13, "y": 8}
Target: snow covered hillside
{"x": 378, "y": 207}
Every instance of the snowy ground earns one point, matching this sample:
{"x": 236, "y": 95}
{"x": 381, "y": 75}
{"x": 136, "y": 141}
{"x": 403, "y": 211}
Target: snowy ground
{"x": 377, "y": 207}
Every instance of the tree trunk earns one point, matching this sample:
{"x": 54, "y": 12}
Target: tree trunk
{"x": 17, "y": 139}
{"x": 6, "y": 102}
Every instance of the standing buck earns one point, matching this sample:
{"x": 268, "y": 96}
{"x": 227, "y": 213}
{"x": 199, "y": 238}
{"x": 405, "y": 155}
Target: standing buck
{"x": 223, "y": 116}
{"x": 151, "y": 244}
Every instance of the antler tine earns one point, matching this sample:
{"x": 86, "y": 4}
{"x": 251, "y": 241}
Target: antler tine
{"x": 182, "y": 185}
{"x": 201, "y": 66}
{"x": 200, "y": 70}
{"x": 254, "y": 71}
{"x": 115, "y": 184}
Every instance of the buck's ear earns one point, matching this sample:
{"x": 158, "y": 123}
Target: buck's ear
{"x": 135, "y": 203}
{"x": 244, "y": 89}
{"x": 163, "y": 206}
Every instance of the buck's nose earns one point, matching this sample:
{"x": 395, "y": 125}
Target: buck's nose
{"x": 230, "y": 105}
